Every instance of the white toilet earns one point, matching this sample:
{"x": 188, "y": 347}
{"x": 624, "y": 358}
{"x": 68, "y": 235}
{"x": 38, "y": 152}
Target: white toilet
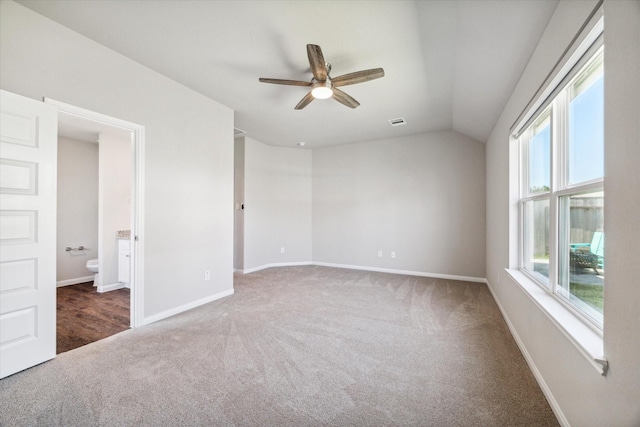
{"x": 92, "y": 265}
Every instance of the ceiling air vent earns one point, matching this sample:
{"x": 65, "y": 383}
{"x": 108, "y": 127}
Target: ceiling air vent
{"x": 238, "y": 132}
{"x": 397, "y": 122}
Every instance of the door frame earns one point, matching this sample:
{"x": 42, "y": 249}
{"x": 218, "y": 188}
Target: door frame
{"x": 137, "y": 204}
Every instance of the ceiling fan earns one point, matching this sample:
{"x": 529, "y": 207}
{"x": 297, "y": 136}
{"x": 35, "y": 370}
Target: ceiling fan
{"x": 324, "y": 86}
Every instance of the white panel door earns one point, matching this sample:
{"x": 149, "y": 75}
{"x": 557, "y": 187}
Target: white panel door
{"x": 28, "y": 158}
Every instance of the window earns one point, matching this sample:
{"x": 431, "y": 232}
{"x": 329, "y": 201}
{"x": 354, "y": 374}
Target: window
{"x": 562, "y": 190}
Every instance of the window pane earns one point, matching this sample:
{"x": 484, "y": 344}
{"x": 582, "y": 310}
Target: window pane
{"x": 539, "y": 156}
{"x": 586, "y": 124}
{"x": 536, "y": 238}
{"x": 582, "y": 270}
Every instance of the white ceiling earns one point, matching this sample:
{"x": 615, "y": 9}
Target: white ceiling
{"x": 448, "y": 64}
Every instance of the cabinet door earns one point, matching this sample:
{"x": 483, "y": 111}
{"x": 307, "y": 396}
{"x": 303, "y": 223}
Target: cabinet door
{"x": 124, "y": 266}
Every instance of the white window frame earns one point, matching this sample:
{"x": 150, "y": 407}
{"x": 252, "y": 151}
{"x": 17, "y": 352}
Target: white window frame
{"x": 523, "y": 147}
{"x": 560, "y": 187}
{"x": 582, "y": 333}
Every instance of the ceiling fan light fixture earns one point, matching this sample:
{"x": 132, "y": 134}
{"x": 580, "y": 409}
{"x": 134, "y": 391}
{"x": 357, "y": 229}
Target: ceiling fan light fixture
{"x": 322, "y": 90}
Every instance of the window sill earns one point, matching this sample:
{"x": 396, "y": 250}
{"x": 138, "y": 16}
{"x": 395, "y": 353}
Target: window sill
{"x": 581, "y": 335}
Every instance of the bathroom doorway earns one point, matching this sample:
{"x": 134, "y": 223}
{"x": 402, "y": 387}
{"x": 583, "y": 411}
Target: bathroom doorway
{"x": 99, "y": 226}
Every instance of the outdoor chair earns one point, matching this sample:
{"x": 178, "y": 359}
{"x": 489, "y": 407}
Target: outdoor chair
{"x": 581, "y": 258}
{"x": 588, "y": 255}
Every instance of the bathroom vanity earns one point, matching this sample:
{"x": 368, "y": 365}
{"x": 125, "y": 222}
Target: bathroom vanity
{"x": 124, "y": 261}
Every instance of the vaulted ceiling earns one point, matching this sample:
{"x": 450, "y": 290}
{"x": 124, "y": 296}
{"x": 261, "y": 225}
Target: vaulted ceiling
{"x": 448, "y": 64}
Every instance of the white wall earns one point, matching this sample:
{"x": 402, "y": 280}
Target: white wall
{"x": 277, "y": 198}
{"x": 115, "y": 179}
{"x": 238, "y": 195}
{"x": 77, "y": 208}
{"x": 188, "y": 210}
{"x": 584, "y": 397}
{"x": 622, "y": 211}
{"x": 421, "y": 196}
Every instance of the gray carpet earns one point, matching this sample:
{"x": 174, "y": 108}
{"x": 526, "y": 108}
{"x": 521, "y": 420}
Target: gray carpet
{"x": 297, "y": 346}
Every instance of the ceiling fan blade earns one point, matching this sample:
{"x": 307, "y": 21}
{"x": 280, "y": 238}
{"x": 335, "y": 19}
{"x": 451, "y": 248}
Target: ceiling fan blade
{"x": 345, "y": 99}
{"x": 357, "y": 77}
{"x": 304, "y": 101}
{"x": 317, "y": 63}
{"x": 285, "y": 82}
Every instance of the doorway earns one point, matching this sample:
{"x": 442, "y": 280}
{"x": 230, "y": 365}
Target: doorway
{"x": 118, "y": 244}
{"x": 93, "y": 229}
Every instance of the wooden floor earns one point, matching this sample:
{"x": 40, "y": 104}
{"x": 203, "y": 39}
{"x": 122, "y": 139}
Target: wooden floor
{"x": 85, "y": 315}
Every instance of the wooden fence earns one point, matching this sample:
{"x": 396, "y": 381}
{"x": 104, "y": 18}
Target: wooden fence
{"x": 586, "y": 216}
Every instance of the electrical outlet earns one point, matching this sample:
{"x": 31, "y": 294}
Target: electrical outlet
{"x": 393, "y": 254}
{"x": 379, "y": 254}
{"x": 282, "y": 250}
{"x": 207, "y": 275}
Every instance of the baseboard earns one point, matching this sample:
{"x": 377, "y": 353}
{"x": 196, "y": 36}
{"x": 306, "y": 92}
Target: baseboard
{"x": 365, "y": 268}
{"x": 112, "y": 287}
{"x": 276, "y": 264}
{"x": 75, "y": 281}
{"x": 404, "y": 272}
{"x": 555, "y": 407}
{"x": 185, "y": 307}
